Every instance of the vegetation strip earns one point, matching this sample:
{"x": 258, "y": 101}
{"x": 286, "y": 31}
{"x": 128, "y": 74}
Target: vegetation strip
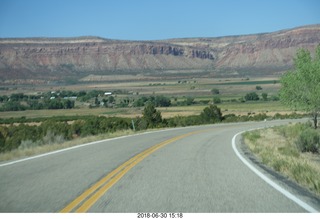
{"x": 269, "y": 181}
{"x": 91, "y": 195}
{"x": 291, "y": 150}
{"x": 26, "y": 138}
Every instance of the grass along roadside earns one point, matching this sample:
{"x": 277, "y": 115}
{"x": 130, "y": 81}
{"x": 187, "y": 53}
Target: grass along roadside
{"x": 277, "y": 148}
{"x": 41, "y": 149}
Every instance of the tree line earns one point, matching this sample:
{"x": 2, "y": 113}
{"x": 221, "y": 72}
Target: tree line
{"x": 21, "y": 102}
{"x": 55, "y": 131}
{"x": 60, "y": 129}
{"x": 97, "y": 98}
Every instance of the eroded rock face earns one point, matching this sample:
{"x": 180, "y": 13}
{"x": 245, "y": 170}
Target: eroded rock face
{"x": 270, "y": 50}
{"x": 55, "y": 59}
{"x": 58, "y": 58}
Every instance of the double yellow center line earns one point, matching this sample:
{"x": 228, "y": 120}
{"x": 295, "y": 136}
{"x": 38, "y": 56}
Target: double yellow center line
{"x": 84, "y": 202}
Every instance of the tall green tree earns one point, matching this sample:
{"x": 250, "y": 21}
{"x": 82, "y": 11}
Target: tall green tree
{"x": 300, "y": 88}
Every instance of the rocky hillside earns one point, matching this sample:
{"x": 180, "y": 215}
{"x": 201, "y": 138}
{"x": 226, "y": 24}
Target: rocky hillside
{"x": 43, "y": 59}
{"x": 269, "y": 52}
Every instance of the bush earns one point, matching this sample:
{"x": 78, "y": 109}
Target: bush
{"x": 309, "y": 141}
{"x": 189, "y": 101}
{"x": 215, "y": 91}
{"x": 292, "y": 131}
{"x": 264, "y": 96}
{"x": 140, "y": 123}
{"x": 216, "y": 100}
{"x": 183, "y": 121}
{"x": 258, "y": 88}
{"x": 57, "y": 130}
{"x": 253, "y": 96}
{"x": 157, "y": 101}
{"x": 51, "y": 138}
{"x": 151, "y": 115}
{"x": 211, "y": 114}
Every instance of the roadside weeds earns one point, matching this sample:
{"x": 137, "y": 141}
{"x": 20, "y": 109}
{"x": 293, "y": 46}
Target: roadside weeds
{"x": 41, "y": 149}
{"x": 276, "y": 148}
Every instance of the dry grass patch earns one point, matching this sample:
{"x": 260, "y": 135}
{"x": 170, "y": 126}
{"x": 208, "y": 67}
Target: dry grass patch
{"x": 275, "y": 147}
{"x": 36, "y": 150}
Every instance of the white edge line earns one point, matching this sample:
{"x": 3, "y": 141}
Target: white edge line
{"x": 269, "y": 181}
{"x": 80, "y": 146}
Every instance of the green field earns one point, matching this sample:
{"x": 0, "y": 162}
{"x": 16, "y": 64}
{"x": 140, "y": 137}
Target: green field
{"x": 188, "y": 99}
{"x": 269, "y": 108}
{"x": 231, "y": 94}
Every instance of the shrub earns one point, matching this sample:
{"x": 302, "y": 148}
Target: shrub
{"x": 258, "y": 88}
{"x": 259, "y": 117}
{"x": 189, "y": 101}
{"x": 291, "y": 131}
{"x": 264, "y": 96}
{"x": 151, "y": 115}
{"x": 56, "y": 130}
{"x": 140, "y": 123}
{"x": 28, "y": 144}
{"x": 51, "y": 138}
{"x": 308, "y": 141}
{"x": 230, "y": 118}
{"x": 274, "y": 98}
{"x": 211, "y": 114}
{"x": 253, "y": 96}
{"x": 216, "y": 100}
{"x": 157, "y": 101}
{"x": 215, "y": 91}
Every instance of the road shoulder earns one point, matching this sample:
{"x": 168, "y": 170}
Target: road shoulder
{"x": 284, "y": 182}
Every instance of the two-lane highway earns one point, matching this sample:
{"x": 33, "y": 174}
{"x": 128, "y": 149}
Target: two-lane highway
{"x": 192, "y": 169}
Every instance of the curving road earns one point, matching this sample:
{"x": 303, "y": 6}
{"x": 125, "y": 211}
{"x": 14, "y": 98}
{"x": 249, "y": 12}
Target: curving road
{"x": 192, "y": 169}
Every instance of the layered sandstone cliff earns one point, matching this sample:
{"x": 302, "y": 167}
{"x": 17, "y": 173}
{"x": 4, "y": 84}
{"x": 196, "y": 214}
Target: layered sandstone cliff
{"x": 61, "y": 58}
{"x": 69, "y": 56}
{"x": 274, "y": 51}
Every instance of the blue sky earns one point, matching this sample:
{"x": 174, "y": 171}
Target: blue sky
{"x": 151, "y": 19}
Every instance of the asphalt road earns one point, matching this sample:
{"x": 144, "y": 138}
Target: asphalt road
{"x": 192, "y": 169}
